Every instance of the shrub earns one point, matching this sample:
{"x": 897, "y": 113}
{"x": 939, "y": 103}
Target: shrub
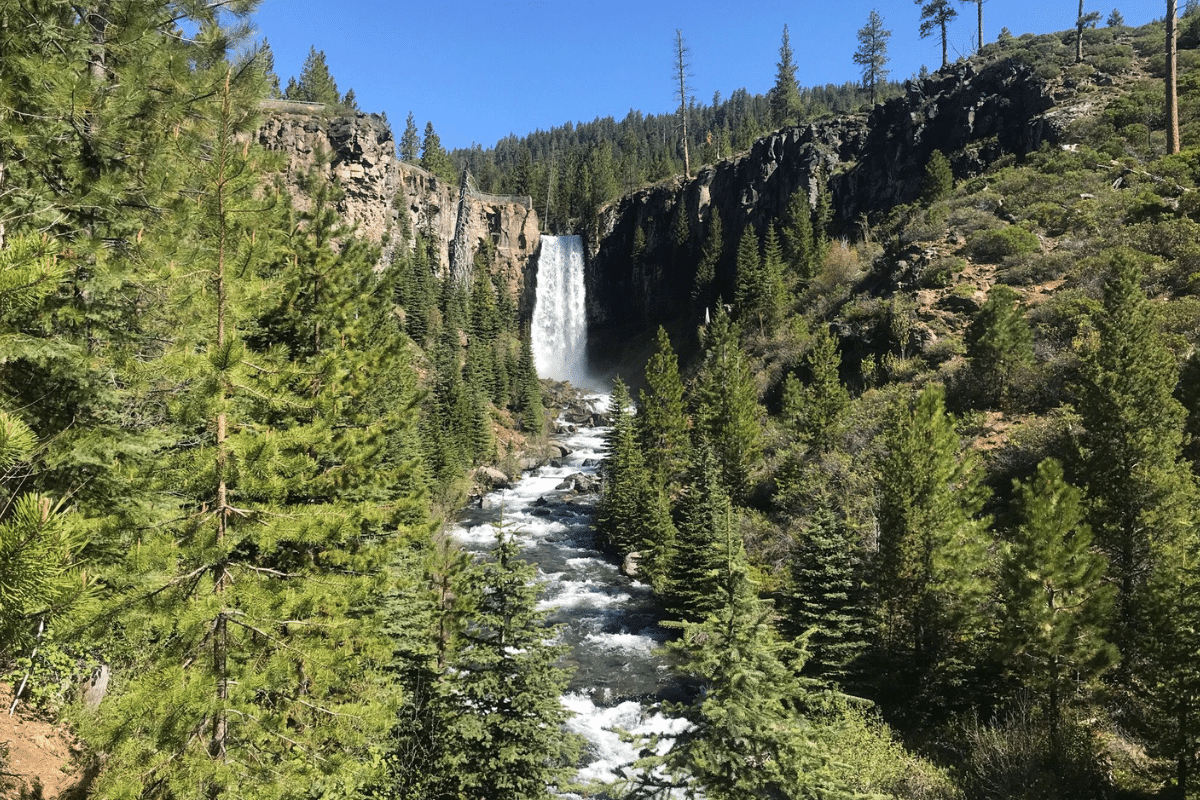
{"x": 942, "y": 272}
{"x": 992, "y": 247}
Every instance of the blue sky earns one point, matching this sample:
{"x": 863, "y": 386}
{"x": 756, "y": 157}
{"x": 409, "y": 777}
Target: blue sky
{"x": 482, "y": 70}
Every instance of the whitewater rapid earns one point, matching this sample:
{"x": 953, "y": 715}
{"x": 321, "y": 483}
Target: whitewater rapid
{"x": 609, "y": 620}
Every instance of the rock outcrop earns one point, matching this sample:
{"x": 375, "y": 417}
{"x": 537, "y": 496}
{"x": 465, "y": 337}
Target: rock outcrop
{"x": 868, "y": 162}
{"x": 359, "y": 153}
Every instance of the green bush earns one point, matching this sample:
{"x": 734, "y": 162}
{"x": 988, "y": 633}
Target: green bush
{"x": 942, "y": 272}
{"x": 992, "y": 247}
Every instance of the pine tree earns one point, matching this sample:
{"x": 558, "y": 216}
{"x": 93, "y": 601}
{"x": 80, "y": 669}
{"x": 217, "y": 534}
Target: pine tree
{"x": 410, "y": 142}
{"x": 999, "y": 342}
{"x": 315, "y": 84}
{"x": 434, "y": 158}
{"x": 1083, "y": 22}
{"x": 1141, "y": 491}
{"x": 935, "y": 16}
{"x": 871, "y": 54}
{"x": 40, "y": 575}
{"x": 749, "y": 736}
{"x": 528, "y": 391}
{"x": 827, "y": 602}
{"x": 245, "y": 614}
{"x": 748, "y": 289}
{"x": 662, "y": 426}
{"x": 814, "y": 410}
{"x": 822, "y": 217}
{"x": 774, "y": 288}
{"x": 1056, "y": 604}
{"x": 928, "y": 578}
{"x": 728, "y": 413}
{"x": 705, "y": 530}
{"x": 626, "y": 483}
{"x": 798, "y": 242}
{"x": 505, "y": 737}
{"x": 939, "y": 179}
{"x": 784, "y": 97}
{"x": 1172, "y": 674}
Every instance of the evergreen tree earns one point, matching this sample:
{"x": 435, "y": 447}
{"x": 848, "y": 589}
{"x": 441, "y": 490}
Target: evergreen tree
{"x": 662, "y": 426}
{"x": 625, "y": 478}
{"x": 749, "y": 288}
{"x": 728, "y": 413}
{"x": 749, "y": 736}
{"x": 939, "y": 179}
{"x": 246, "y": 623}
{"x": 929, "y": 580}
{"x": 1172, "y": 676}
{"x": 505, "y": 737}
{"x": 1055, "y": 608}
{"x": 682, "y": 93}
{"x": 999, "y": 342}
{"x": 410, "y": 142}
{"x": 827, "y": 603}
{"x": 798, "y": 241}
{"x": 40, "y": 562}
{"x": 774, "y": 288}
{"x": 871, "y": 54}
{"x": 822, "y": 217}
{"x": 1141, "y": 490}
{"x": 705, "y": 530}
{"x": 814, "y": 410}
{"x": 784, "y": 97}
{"x": 434, "y": 158}
{"x": 1083, "y": 22}
{"x": 935, "y": 16}
{"x": 315, "y": 84}
{"x": 528, "y": 391}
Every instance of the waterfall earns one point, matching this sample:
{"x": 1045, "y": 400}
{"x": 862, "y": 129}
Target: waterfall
{"x": 559, "y": 314}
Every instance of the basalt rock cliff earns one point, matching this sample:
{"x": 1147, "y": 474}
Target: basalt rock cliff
{"x": 379, "y": 192}
{"x": 869, "y": 163}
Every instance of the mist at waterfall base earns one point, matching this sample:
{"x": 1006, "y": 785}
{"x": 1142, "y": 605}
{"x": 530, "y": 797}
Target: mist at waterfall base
{"x": 560, "y": 315}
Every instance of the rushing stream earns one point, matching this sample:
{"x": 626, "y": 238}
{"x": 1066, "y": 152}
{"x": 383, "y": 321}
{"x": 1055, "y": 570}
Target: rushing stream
{"x": 610, "y": 621}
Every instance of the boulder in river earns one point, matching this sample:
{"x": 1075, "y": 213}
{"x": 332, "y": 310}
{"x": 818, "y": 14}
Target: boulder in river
{"x": 492, "y": 478}
{"x": 629, "y": 566}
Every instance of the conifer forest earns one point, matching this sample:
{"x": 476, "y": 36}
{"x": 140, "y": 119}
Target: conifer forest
{"x": 917, "y": 503}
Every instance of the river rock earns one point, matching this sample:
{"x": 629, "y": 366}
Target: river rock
{"x": 492, "y": 478}
{"x": 629, "y": 566}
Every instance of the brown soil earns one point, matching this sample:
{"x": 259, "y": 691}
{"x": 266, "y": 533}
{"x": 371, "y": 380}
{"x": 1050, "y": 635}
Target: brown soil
{"x": 40, "y": 753}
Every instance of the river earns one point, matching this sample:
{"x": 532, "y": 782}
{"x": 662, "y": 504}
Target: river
{"x": 610, "y": 621}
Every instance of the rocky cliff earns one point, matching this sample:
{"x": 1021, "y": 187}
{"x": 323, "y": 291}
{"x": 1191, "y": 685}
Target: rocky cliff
{"x": 869, "y": 163}
{"x": 359, "y": 153}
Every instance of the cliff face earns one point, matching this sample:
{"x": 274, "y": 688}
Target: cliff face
{"x": 359, "y": 153}
{"x": 869, "y": 163}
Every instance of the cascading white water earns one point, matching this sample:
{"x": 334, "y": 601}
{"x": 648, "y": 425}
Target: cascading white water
{"x": 609, "y": 620}
{"x": 559, "y": 314}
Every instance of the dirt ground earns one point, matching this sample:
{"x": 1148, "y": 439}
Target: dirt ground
{"x": 39, "y": 753}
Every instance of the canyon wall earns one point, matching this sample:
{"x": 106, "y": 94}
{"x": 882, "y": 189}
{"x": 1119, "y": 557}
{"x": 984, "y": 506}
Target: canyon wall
{"x": 379, "y": 192}
{"x": 868, "y": 162}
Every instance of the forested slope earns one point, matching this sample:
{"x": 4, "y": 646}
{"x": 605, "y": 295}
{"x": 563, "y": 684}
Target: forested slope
{"x": 950, "y": 440}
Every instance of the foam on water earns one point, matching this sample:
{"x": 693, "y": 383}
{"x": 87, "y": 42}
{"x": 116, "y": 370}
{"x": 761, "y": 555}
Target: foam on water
{"x": 601, "y": 725}
{"x": 609, "y": 620}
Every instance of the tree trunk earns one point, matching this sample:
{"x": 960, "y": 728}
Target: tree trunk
{"x": 979, "y": 11}
{"x": 1172, "y": 87}
{"x": 1079, "y": 34}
